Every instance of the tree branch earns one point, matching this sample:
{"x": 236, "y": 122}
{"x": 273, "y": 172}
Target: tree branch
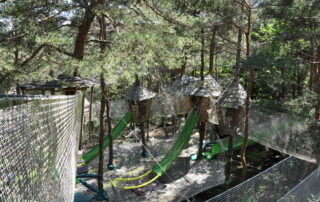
{"x": 36, "y": 52}
{"x": 165, "y": 17}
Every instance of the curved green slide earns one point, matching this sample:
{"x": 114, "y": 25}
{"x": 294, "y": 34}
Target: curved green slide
{"x": 178, "y": 146}
{"x": 89, "y": 156}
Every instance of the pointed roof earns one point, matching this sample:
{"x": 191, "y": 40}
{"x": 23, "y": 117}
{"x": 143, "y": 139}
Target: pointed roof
{"x": 233, "y": 97}
{"x": 180, "y": 85}
{"x": 138, "y": 93}
{"x": 183, "y": 80}
{"x": 209, "y": 87}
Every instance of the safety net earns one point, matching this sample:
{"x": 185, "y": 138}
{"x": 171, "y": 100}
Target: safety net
{"x": 271, "y": 184}
{"x": 287, "y": 134}
{"x": 38, "y": 144}
{"x": 306, "y": 190}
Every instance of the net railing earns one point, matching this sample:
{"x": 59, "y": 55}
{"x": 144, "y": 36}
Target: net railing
{"x": 271, "y": 184}
{"x": 285, "y": 133}
{"x": 307, "y": 190}
{"x": 38, "y": 144}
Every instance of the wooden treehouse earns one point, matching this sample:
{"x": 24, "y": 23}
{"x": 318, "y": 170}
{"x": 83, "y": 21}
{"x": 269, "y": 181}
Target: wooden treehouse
{"x": 231, "y": 105}
{"x": 139, "y": 99}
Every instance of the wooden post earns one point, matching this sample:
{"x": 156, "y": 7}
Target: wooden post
{"x": 81, "y": 124}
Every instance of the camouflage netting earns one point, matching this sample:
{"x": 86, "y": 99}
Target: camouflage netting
{"x": 38, "y": 146}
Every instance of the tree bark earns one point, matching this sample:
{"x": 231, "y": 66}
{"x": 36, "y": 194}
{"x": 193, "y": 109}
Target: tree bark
{"x": 212, "y": 53}
{"x": 202, "y": 133}
{"x": 90, "y": 113}
{"x": 184, "y": 61}
{"x": 143, "y": 138}
{"x": 82, "y": 120}
{"x": 299, "y": 83}
{"x": 82, "y": 34}
{"x": 238, "y": 56}
{"x": 105, "y": 92}
{"x": 317, "y": 67}
{"x": 202, "y": 55}
{"x": 101, "y": 136}
{"x": 293, "y": 86}
{"x": 247, "y": 101}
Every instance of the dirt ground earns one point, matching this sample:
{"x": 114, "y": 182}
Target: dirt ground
{"x": 184, "y": 179}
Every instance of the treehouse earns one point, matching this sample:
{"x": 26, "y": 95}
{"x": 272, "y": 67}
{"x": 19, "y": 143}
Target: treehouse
{"x": 140, "y": 101}
{"x": 231, "y": 104}
{"x": 63, "y": 85}
{"x": 204, "y": 92}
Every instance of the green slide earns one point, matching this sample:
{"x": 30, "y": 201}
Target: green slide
{"x": 89, "y": 156}
{"x": 179, "y": 145}
{"x": 220, "y": 147}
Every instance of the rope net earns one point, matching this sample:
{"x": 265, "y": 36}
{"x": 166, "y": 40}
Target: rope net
{"x": 38, "y": 144}
{"x": 271, "y": 184}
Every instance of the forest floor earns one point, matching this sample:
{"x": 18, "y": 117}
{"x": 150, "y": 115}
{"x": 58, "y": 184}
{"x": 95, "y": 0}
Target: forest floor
{"x": 184, "y": 179}
{"x": 193, "y": 178}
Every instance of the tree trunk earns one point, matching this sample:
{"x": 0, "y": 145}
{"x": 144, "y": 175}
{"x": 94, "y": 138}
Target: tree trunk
{"x": 293, "y": 86}
{"x": 101, "y": 136}
{"x": 82, "y": 34}
{"x": 82, "y": 120}
{"x": 202, "y": 133}
{"x": 105, "y": 92}
{"x": 143, "y": 140}
{"x": 212, "y": 56}
{"x": 90, "y": 114}
{"x": 202, "y": 55}
{"x": 247, "y": 101}
{"x": 299, "y": 83}
{"x": 283, "y": 87}
{"x": 317, "y": 67}
{"x": 148, "y": 127}
{"x": 238, "y": 56}
{"x": 184, "y": 61}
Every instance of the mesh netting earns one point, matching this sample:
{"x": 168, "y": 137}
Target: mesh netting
{"x": 38, "y": 144}
{"x": 271, "y": 184}
{"x": 286, "y": 134}
{"x": 307, "y": 190}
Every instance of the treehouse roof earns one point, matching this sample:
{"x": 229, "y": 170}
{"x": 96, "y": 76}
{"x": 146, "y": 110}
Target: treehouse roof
{"x": 233, "y": 97}
{"x": 62, "y": 82}
{"x": 208, "y": 87}
{"x": 139, "y": 93}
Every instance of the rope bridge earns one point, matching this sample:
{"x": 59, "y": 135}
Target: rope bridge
{"x": 38, "y": 144}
